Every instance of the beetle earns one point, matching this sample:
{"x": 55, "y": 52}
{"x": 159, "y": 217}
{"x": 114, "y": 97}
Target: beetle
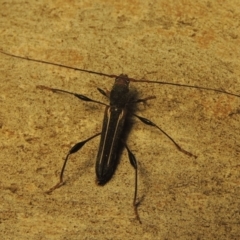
{"x": 113, "y": 124}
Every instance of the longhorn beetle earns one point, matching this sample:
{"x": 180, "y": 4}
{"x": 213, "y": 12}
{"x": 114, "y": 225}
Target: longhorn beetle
{"x": 113, "y": 124}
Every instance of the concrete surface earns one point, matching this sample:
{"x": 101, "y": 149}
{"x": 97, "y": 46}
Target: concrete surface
{"x": 190, "y": 42}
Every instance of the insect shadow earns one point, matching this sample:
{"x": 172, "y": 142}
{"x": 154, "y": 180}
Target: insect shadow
{"x": 122, "y": 106}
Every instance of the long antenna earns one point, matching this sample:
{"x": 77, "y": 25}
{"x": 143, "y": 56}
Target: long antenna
{"x": 115, "y": 76}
